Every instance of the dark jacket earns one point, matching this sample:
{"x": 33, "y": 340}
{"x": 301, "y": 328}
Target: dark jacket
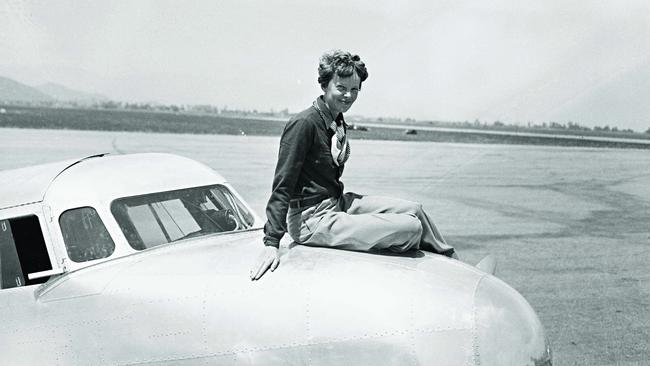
{"x": 305, "y": 168}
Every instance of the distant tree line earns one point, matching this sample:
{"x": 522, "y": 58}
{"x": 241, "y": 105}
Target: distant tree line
{"x": 153, "y": 107}
{"x": 285, "y": 114}
{"x": 552, "y": 125}
{"x": 499, "y": 125}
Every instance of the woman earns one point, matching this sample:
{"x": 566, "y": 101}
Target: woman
{"x": 308, "y": 193}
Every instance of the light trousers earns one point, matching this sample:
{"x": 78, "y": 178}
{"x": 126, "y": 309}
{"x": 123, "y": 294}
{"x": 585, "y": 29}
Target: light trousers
{"x": 363, "y": 223}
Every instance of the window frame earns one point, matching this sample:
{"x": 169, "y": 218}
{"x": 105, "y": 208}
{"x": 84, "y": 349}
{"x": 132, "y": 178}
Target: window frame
{"x": 243, "y": 212}
{"x": 65, "y": 244}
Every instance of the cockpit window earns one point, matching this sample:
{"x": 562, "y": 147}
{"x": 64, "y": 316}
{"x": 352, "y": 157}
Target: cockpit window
{"x": 85, "y": 235}
{"x": 158, "y": 218}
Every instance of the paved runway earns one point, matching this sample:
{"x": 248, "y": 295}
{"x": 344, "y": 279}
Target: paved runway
{"x": 570, "y": 226}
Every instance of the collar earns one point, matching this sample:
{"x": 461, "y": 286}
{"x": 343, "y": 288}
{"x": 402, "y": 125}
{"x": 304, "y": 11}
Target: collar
{"x": 328, "y": 114}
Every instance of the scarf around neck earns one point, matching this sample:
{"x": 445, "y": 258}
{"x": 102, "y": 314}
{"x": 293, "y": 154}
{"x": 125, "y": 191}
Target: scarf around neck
{"x": 340, "y": 146}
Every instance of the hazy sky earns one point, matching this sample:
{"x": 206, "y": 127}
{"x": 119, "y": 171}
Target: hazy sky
{"x": 512, "y": 60}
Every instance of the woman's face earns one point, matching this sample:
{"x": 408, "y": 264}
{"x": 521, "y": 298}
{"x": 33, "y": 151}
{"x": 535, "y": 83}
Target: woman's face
{"x": 341, "y": 92}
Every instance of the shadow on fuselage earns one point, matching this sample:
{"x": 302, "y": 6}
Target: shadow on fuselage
{"x": 381, "y": 252}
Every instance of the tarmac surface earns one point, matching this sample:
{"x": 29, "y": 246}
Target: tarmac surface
{"x": 570, "y": 227}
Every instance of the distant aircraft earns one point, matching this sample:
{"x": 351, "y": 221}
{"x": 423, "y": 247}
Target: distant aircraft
{"x": 144, "y": 259}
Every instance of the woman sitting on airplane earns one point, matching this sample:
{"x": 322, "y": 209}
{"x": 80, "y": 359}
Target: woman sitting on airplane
{"x": 307, "y": 191}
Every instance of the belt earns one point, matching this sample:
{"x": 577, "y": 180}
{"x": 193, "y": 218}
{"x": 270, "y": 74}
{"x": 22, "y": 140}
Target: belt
{"x": 306, "y": 202}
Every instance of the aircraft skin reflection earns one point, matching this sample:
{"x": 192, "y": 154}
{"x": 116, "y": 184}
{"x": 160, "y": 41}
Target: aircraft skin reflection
{"x": 192, "y": 302}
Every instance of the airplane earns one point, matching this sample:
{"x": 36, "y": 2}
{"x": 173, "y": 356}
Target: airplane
{"x": 144, "y": 259}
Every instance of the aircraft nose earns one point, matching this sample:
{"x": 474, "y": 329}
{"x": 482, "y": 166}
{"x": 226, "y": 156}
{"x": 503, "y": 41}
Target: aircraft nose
{"x": 508, "y": 329}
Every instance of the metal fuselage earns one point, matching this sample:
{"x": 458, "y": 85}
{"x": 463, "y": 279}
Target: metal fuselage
{"x": 192, "y": 302}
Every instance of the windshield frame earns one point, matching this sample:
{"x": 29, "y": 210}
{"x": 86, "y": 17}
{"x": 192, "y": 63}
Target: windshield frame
{"x": 219, "y": 206}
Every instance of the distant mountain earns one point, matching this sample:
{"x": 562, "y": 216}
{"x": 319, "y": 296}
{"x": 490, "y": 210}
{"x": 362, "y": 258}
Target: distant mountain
{"x": 13, "y": 91}
{"x": 63, "y": 93}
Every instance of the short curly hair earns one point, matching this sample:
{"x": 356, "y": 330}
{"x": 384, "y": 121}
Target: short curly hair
{"x": 342, "y": 63}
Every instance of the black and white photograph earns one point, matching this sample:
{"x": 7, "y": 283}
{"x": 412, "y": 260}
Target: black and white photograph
{"x": 284, "y": 182}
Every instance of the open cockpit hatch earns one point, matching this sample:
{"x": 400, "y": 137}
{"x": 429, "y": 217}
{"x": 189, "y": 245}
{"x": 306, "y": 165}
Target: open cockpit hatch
{"x": 23, "y": 252}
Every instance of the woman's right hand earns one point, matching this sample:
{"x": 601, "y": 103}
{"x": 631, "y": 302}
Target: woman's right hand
{"x": 269, "y": 259}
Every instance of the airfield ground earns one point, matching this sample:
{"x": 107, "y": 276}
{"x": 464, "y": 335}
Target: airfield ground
{"x": 570, "y": 226}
